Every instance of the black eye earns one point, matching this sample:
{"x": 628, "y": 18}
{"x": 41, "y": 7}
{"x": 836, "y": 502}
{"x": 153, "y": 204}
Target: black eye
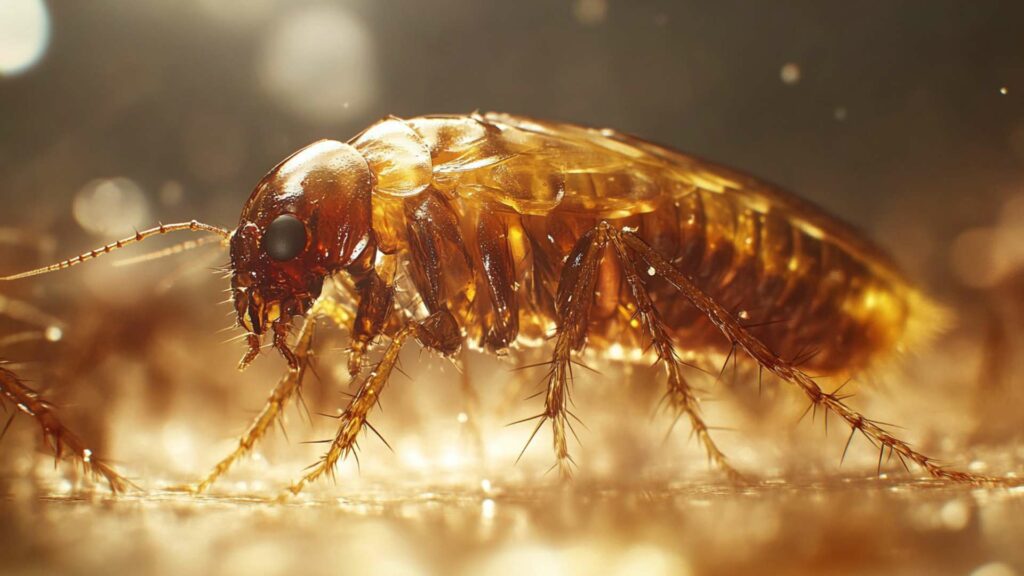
{"x": 285, "y": 238}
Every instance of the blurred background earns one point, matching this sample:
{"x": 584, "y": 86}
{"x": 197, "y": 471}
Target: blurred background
{"x": 905, "y": 119}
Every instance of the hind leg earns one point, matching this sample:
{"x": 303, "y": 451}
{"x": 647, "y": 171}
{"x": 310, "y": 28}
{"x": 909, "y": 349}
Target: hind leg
{"x": 784, "y": 369}
{"x": 573, "y": 303}
{"x": 680, "y": 395}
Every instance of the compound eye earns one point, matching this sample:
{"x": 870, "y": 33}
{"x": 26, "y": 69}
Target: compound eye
{"x": 285, "y": 238}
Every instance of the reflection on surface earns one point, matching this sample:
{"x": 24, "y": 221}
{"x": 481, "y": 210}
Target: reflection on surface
{"x": 844, "y": 526}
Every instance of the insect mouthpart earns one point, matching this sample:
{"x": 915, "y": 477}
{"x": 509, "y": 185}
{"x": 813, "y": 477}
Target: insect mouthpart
{"x": 249, "y": 306}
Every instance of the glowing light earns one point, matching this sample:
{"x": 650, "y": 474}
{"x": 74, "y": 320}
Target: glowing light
{"x": 24, "y": 35}
{"x": 53, "y": 334}
{"x": 178, "y": 443}
{"x": 616, "y": 352}
{"x": 86, "y": 455}
{"x": 994, "y": 569}
{"x": 452, "y": 458}
{"x": 955, "y": 515}
{"x": 319, "y": 64}
{"x": 111, "y": 206}
{"x": 462, "y": 418}
{"x": 413, "y": 458}
{"x": 790, "y": 73}
{"x": 487, "y": 509}
{"x": 590, "y": 12}
{"x": 1004, "y": 90}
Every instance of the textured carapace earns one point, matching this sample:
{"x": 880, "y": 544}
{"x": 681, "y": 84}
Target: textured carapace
{"x": 494, "y": 231}
{"x": 278, "y": 268}
{"x": 483, "y": 211}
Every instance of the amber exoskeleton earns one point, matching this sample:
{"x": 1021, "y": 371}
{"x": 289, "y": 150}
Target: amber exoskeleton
{"x": 507, "y": 232}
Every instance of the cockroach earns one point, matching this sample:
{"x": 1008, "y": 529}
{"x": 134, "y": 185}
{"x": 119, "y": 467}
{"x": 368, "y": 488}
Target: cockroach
{"x": 514, "y": 232}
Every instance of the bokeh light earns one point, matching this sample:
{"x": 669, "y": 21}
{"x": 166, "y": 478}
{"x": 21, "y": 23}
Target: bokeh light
{"x": 319, "y": 64}
{"x": 984, "y": 256}
{"x": 790, "y": 73}
{"x": 590, "y": 12}
{"x": 111, "y": 206}
{"x": 24, "y": 35}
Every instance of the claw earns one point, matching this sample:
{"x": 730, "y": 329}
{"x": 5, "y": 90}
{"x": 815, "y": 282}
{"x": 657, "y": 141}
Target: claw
{"x": 252, "y": 353}
{"x": 281, "y": 343}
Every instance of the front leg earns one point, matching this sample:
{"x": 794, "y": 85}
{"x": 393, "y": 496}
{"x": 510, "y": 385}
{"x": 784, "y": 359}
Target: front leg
{"x": 439, "y": 331}
{"x": 288, "y": 386}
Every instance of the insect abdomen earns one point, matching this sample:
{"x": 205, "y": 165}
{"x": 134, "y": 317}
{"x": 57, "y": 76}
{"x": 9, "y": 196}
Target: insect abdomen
{"x": 806, "y": 297}
{"x": 813, "y": 290}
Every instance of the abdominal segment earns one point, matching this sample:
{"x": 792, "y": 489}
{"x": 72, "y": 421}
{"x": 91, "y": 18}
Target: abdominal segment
{"x": 488, "y": 238}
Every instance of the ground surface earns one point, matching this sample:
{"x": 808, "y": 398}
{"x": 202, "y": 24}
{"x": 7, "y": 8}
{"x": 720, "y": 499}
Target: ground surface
{"x": 843, "y": 527}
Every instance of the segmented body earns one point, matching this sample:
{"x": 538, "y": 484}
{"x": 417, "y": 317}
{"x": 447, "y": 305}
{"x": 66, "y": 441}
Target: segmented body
{"x": 496, "y": 231}
{"x": 500, "y": 201}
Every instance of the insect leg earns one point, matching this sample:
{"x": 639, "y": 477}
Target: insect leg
{"x": 739, "y": 336}
{"x": 57, "y": 437}
{"x": 438, "y": 331}
{"x": 680, "y": 396}
{"x": 573, "y": 303}
{"x": 375, "y": 297}
{"x": 286, "y": 387}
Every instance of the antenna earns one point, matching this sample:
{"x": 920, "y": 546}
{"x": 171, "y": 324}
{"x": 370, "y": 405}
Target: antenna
{"x": 169, "y": 251}
{"x": 193, "y": 226}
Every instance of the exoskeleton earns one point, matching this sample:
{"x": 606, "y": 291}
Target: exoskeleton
{"x": 512, "y": 232}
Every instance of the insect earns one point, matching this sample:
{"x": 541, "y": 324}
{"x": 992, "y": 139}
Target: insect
{"x": 512, "y": 232}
